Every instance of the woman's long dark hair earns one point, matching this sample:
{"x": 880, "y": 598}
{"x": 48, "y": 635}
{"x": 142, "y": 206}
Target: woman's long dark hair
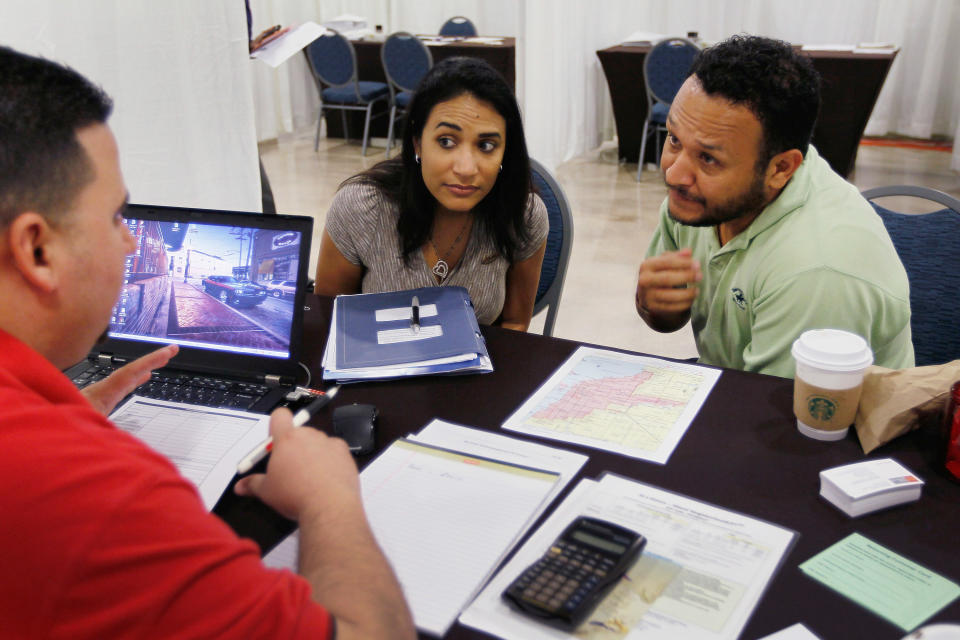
{"x": 502, "y": 212}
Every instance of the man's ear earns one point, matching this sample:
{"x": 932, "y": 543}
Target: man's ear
{"x": 31, "y": 242}
{"x": 782, "y": 167}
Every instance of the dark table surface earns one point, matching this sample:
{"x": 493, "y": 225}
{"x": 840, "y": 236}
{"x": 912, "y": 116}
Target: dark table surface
{"x": 742, "y": 452}
{"x": 501, "y": 57}
{"x": 851, "y": 84}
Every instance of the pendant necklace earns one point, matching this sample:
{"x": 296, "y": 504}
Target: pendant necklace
{"x": 442, "y": 268}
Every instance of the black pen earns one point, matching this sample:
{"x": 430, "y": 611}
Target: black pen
{"x": 300, "y": 418}
{"x": 415, "y": 315}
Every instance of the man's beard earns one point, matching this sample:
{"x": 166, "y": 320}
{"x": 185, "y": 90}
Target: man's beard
{"x": 749, "y": 202}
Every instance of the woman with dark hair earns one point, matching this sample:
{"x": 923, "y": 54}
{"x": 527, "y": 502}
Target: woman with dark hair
{"x": 455, "y": 208}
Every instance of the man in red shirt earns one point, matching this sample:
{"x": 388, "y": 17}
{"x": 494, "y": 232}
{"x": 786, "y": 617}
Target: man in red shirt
{"x": 102, "y": 537}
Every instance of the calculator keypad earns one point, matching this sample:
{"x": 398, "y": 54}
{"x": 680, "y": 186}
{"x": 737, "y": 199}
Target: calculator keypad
{"x": 561, "y": 580}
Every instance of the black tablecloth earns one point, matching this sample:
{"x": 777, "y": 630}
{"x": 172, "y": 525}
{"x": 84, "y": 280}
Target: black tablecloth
{"x": 742, "y": 452}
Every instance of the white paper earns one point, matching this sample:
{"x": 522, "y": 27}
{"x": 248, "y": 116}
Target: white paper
{"x": 633, "y": 405}
{"x": 828, "y": 47}
{"x": 281, "y": 49}
{"x": 643, "y": 37}
{"x": 726, "y": 560}
{"x": 495, "y": 446}
{"x": 483, "y": 40}
{"x": 870, "y": 49}
{"x": 794, "y": 632}
{"x": 476, "y": 442}
{"x": 205, "y": 444}
{"x": 444, "y": 521}
{"x": 407, "y": 334}
{"x": 404, "y": 313}
{"x": 286, "y": 554}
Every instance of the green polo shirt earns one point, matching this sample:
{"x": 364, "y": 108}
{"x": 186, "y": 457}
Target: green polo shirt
{"x": 817, "y": 257}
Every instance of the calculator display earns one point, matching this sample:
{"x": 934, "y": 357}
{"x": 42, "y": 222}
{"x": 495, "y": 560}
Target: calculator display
{"x": 598, "y": 542}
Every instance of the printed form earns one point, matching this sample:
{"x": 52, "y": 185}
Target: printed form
{"x": 204, "y": 443}
{"x": 700, "y": 576}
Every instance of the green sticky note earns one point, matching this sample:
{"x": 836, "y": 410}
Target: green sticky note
{"x": 884, "y": 582}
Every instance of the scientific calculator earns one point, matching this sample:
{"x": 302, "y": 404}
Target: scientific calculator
{"x": 565, "y": 585}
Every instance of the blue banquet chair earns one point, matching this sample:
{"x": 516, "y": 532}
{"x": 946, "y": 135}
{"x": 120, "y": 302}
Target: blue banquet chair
{"x": 405, "y": 61}
{"x": 333, "y": 63}
{"x": 458, "y": 26}
{"x": 664, "y": 70}
{"x": 929, "y": 248}
{"x": 559, "y": 241}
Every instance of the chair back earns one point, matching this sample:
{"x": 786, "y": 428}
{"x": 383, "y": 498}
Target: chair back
{"x": 666, "y": 67}
{"x": 458, "y": 26}
{"x": 405, "y": 60}
{"x": 332, "y": 59}
{"x": 559, "y": 240}
{"x": 929, "y": 248}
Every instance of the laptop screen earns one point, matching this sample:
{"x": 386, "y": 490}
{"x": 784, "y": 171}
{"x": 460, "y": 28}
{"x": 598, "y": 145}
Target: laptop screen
{"x": 213, "y": 281}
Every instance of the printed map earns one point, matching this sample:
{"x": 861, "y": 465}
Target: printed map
{"x": 635, "y": 405}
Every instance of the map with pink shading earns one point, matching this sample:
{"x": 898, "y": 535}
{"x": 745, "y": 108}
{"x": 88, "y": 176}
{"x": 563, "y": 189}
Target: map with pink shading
{"x": 618, "y": 402}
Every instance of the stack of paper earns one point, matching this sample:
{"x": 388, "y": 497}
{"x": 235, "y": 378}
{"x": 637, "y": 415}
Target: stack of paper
{"x": 447, "y": 505}
{"x": 373, "y": 336}
{"x": 868, "y": 486}
{"x": 642, "y": 38}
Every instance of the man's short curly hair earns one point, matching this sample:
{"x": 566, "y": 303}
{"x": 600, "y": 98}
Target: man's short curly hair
{"x": 771, "y": 79}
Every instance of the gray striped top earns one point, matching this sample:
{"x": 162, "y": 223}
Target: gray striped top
{"x": 363, "y": 226}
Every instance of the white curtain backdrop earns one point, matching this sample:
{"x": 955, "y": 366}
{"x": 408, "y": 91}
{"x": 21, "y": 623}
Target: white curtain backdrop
{"x": 191, "y": 105}
{"x": 179, "y": 74}
{"x": 559, "y": 78}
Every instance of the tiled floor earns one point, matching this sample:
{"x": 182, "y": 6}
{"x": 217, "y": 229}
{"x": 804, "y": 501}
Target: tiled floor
{"x": 614, "y": 217}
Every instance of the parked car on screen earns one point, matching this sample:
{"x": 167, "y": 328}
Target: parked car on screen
{"x": 281, "y": 288}
{"x": 229, "y": 290}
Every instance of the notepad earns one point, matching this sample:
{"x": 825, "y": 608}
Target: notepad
{"x": 445, "y": 520}
{"x": 443, "y": 530}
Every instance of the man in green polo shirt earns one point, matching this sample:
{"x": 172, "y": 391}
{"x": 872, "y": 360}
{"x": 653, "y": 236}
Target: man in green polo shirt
{"x": 759, "y": 240}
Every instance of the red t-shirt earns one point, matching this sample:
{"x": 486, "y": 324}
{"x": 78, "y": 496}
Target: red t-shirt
{"x": 102, "y": 538}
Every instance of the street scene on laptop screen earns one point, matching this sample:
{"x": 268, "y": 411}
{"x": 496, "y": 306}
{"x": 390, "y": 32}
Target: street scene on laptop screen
{"x": 209, "y": 286}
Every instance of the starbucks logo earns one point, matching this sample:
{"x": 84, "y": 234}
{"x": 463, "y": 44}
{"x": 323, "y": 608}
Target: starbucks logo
{"x": 821, "y": 408}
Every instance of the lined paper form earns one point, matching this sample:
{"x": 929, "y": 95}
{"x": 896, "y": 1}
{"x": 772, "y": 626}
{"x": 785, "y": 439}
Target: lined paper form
{"x": 445, "y": 519}
{"x": 204, "y": 443}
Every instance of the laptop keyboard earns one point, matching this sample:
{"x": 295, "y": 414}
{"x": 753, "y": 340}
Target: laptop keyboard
{"x": 183, "y": 387}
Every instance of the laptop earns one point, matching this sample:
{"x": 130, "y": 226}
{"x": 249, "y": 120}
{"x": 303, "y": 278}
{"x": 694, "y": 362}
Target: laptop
{"x": 228, "y": 288}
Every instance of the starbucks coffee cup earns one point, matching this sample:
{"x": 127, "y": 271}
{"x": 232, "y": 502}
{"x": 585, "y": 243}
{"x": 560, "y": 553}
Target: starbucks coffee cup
{"x": 828, "y": 381}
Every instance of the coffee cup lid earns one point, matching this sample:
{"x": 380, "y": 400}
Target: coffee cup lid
{"x": 832, "y": 349}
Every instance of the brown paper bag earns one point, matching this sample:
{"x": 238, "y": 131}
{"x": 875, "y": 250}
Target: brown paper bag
{"x": 895, "y": 402}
